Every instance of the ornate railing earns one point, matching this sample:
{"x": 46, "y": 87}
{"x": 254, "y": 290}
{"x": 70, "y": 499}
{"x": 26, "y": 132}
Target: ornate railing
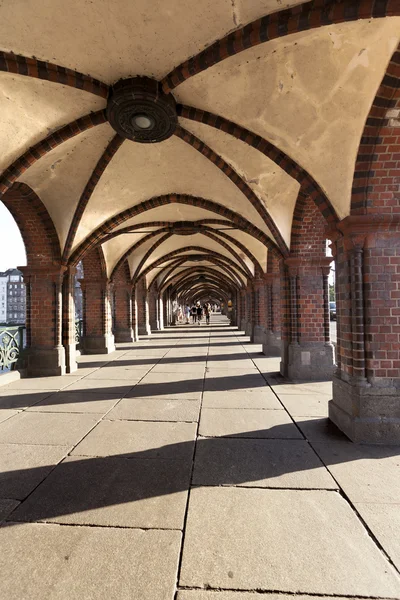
{"x": 11, "y": 344}
{"x": 78, "y": 332}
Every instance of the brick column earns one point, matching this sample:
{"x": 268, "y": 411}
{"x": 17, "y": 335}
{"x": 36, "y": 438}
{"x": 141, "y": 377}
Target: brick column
{"x": 68, "y": 320}
{"x": 250, "y": 301}
{"x": 366, "y": 385}
{"x": 260, "y": 310}
{"x": 160, "y": 306}
{"x": 154, "y": 318}
{"x": 97, "y": 337}
{"x": 123, "y": 313}
{"x": 243, "y": 311}
{"x": 134, "y": 315}
{"x": 305, "y": 354}
{"x": 272, "y": 344}
{"x": 44, "y": 354}
{"x": 142, "y": 298}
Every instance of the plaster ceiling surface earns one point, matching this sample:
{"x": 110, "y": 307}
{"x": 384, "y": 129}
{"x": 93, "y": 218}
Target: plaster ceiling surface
{"x": 50, "y": 177}
{"x": 257, "y": 248}
{"x": 111, "y": 40}
{"x": 117, "y": 246}
{"x": 31, "y": 109}
{"x": 308, "y": 93}
{"x": 139, "y": 172}
{"x": 277, "y": 190}
{"x": 135, "y": 257}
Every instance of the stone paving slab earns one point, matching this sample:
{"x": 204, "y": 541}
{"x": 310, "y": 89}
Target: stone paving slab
{"x": 42, "y": 383}
{"x": 319, "y": 429}
{"x": 281, "y": 540}
{"x": 116, "y": 492}
{"x": 106, "y": 384}
{"x": 119, "y": 374}
{"x": 6, "y": 414}
{"x": 218, "y": 595}
{"x": 21, "y": 399}
{"x": 6, "y": 508}
{"x": 260, "y": 463}
{"x": 384, "y": 522}
{"x": 234, "y": 363}
{"x": 365, "y": 473}
{"x": 227, "y": 380}
{"x": 139, "y": 439}
{"x": 23, "y": 467}
{"x": 173, "y": 389}
{"x": 246, "y": 398}
{"x": 77, "y": 402}
{"x": 155, "y": 409}
{"x": 314, "y": 387}
{"x": 54, "y": 562}
{"x": 215, "y": 422}
{"x": 191, "y": 368}
{"x": 46, "y": 428}
{"x": 304, "y": 405}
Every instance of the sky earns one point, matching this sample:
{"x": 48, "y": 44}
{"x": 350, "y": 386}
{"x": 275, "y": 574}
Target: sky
{"x": 12, "y": 249}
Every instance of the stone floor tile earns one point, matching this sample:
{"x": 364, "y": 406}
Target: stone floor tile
{"x": 319, "y": 429}
{"x": 46, "y": 428}
{"x": 366, "y": 473}
{"x": 169, "y": 386}
{"x": 260, "y": 463}
{"x": 6, "y": 414}
{"x": 139, "y": 439}
{"x": 191, "y": 368}
{"x": 384, "y": 522}
{"x": 54, "y": 562}
{"x": 246, "y": 398}
{"x": 106, "y": 384}
{"x": 234, "y": 363}
{"x": 155, "y": 409}
{"x": 82, "y": 371}
{"x": 21, "y": 399}
{"x": 23, "y": 467}
{"x": 215, "y": 422}
{"x": 6, "y": 508}
{"x": 77, "y": 402}
{"x": 42, "y": 383}
{"x": 281, "y": 540}
{"x": 118, "y": 373}
{"x": 111, "y": 492}
{"x": 218, "y": 595}
{"x": 311, "y": 387}
{"x": 304, "y": 405}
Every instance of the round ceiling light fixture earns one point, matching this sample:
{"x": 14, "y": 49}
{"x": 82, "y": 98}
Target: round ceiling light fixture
{"x": 139, "y": 110}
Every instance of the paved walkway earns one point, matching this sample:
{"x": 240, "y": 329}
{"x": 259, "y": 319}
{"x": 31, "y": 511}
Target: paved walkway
{"x": 96, "y": 469}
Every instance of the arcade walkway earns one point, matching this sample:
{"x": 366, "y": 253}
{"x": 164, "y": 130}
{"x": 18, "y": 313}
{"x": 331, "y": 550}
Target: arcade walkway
{"x": 182, "y": 463}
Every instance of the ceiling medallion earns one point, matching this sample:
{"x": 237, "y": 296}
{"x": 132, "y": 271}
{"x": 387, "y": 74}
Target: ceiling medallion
{"x": 139, "y": 110}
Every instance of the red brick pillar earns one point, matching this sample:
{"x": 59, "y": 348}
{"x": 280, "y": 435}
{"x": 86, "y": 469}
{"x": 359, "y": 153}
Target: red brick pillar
{"x": 69, "y": 337}
{"x": 123, "y": 330}
{"x": 250, "y": 300}
{"x": 366, "y": 385}
{"x": 135, "y": 333}
{"x": 97, "y": 337}
{"x": 154, "y": 318}
{"x": 44, "y": 354}
{"x": 142, "y": 299}
{"x": 243, "y": 309}
{"x": 260, "y": 310}
{"x": 272, "y": 345}
{"x": 306, "y": 353}
{"x": 160, "y": 306}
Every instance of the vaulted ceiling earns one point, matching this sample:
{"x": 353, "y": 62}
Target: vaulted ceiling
{"x": 263, "y": 111}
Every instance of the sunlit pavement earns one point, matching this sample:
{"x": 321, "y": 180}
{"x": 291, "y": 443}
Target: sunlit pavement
{"x": 183, "y": 467}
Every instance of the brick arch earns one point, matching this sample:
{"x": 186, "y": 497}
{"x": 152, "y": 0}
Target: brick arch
{"x": 28, "y": 158}
{"x": 376, "y": 186}
{"x": 304, "y": 17}
{"x": 308, "y": 236}
{"x": 281, "y": 159}
{"x": 41, "y": 69}
{"x": 236, "y": 179}
{"x": 94, "y": 265}
{"x": 37, "y": 229}
{"x": 215, "y": 276}
{"x": 106, "y": 228}
{"x": 207, "y": 254}
{"x": 168, "y": 269}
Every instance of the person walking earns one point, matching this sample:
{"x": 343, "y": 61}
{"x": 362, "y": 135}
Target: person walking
{"x": 199, "y": 312}
{"x": 187, "y": 313}
{"x": 206, "y": 310}
{"x": 193, "y": 312}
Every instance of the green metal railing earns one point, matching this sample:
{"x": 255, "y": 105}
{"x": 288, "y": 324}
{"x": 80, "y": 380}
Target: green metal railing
{"x": 11, "y": 344}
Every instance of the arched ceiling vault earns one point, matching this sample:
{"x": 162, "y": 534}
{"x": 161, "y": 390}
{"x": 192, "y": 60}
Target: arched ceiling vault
{"x": 262, "y": 105}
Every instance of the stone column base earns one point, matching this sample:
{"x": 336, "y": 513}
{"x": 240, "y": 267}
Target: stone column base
{"x": 367, "y": 415}
{"x": 155, "y": 326}
{"x": 258, "y": 334}
{"x": 98, "y": 344}
{"x": 249, "y": 330}
{"x": 144, "y": 330}
{"x": 123, "y": 335}
{"x": 71, "y": 354}
{"x": 243, "y": 323}
{"x": 309, "y": 362}
{"x": 43, "y": 362}
{"x": 272, "y": 344}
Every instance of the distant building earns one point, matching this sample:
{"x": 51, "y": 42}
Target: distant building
{"x": 12, "y": 297}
